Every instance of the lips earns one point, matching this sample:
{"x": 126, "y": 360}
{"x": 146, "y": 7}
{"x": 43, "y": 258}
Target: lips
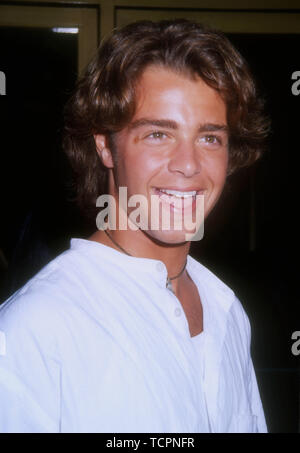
{"x": 178, "y": 199}
{"x": 179, "y": 193}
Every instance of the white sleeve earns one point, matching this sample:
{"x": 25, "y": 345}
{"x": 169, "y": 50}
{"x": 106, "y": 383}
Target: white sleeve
{"x": 255, "y": 400}
{"x": 29, "y": 371}
{"x": 257, "y": 408}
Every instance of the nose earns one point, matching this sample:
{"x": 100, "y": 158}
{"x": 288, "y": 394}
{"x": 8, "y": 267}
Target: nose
{"x": 185, "y": 159}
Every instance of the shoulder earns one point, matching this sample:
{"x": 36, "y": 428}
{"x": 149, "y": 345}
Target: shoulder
{"x": 227, "y": 304}
{"x": 209, "y": 277}
{"x": 61, "y": 282}
{"x": 46, "y": 300}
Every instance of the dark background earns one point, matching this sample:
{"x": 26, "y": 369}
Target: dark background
{"x": 250, "y": 238}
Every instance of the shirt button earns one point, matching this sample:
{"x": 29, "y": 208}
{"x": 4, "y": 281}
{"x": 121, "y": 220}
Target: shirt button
{"x": 160, "y": 267}
{"x": 177, "y": 311}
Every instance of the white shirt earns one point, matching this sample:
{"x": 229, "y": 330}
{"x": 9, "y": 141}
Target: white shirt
{"x": 198, "y": 341}
{"x": 95, "y": 342}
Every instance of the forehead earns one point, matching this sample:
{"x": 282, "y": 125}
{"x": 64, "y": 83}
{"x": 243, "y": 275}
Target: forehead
{"x": 162, "y": 91}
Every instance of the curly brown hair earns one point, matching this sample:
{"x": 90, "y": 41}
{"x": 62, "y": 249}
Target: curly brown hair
{"x": 104, "y": 99}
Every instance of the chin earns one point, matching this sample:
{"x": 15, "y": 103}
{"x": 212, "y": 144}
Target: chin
{"x": 167, "y": 237}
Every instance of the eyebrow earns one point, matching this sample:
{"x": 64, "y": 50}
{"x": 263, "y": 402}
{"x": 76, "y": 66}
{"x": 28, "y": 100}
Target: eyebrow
{"x": 170, "y": 124}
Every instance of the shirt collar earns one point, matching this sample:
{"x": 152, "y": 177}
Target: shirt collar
{"x": 201, "y": 276}
{"x": 133, "y": 264}
{"x": 210, "y": 283}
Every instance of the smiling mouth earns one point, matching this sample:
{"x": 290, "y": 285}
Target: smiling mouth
{"x": 178, "y": 194}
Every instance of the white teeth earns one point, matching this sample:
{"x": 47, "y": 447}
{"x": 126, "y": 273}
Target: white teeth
{"x": 178, "y": 194}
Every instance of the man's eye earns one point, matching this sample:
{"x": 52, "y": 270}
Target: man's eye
{"x": 212, "y": 140}
{"x": 156, "y": 135}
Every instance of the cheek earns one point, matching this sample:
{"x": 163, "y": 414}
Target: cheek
{"x": 145, "y": 165}
{"x": 217, "y": 170}
{"x": 136, "y": 171}
{"x": 222, "y": 171}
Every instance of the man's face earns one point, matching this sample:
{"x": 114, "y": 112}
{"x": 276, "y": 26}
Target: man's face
{"x": 176, "y": 141}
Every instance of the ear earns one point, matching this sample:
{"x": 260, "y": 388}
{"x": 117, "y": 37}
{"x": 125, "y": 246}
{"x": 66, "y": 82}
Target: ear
{"x": 103, "y": 151}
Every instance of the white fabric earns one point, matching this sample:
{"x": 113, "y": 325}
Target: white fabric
{"x": 96, "y": 343}
{"x": 198, "y": 341}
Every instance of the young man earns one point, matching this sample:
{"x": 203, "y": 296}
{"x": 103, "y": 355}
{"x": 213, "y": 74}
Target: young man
{"x": 125, "y": 331}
